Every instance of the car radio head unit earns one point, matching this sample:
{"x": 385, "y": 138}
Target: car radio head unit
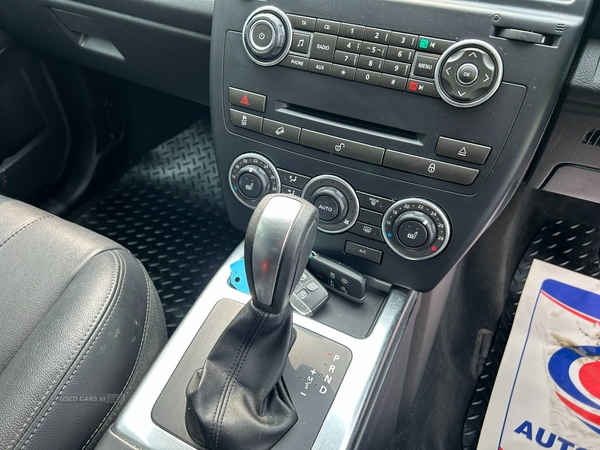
{"x": 407, "y": 124}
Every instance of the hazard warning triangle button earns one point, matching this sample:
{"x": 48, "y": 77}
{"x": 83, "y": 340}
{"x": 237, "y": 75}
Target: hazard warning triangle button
{"x": 247, "y": 99}
{"x": 244, "y": 101}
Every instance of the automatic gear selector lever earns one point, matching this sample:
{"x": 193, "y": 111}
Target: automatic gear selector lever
{"x": 238, "y": 399}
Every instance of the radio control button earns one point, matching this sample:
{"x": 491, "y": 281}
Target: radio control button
{"x": 349, "y": 45}
{"x": 376, "y": 50}
{"x": 422, "y": 88}
{"x": 302, "y": 22}
{"x": 424, "y": 65}
{"x": 295, "y": 62}
{"x": 347, "y": 73}
{"x": 370, "y": 63}
{"x": 321, "y": 67}
{"x": 367, "y": 77}
{"x": 396, "y": 68}
{"x": 300, "y": 43}
{"x": 377, "y": 35}
{"x": 400, "y": 54}
{"x": 327, "y": 26}
{"x": 433, "y": 45}
{"x": 346, "y": 58}
{"x": 467, "y": 74}
{"x": 393, "y": 82}
{"x": 352, "y": 31}
{"x": 323, "y": 47}
{"x": 404, "y": 40}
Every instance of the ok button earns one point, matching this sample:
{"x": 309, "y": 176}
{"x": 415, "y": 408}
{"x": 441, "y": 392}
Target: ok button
{"x": 467, "y": 74}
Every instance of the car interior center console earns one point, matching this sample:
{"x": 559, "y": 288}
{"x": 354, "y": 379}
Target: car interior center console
{"x": 408, "y": 124}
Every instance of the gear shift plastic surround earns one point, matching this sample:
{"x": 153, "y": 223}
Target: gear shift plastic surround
{"x": 238, "y": 399}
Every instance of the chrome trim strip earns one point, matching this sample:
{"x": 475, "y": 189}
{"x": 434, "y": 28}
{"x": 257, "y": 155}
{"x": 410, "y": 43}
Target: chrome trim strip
{"x": 370, "y": 357}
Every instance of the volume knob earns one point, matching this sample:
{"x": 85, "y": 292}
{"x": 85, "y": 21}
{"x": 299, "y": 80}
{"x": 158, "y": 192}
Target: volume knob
{"x": 267, "y": 36}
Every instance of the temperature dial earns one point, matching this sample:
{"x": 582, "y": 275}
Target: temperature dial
{"x": 416, "y": 229}
{"x": 251, "y": 177}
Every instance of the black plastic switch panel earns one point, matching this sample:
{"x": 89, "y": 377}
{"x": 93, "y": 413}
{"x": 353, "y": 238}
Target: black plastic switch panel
{"x": 339, "y": 277}
{"x": 245, "y": 120}
{"x": 247, "y": 99}
{"x": 363, "y": 252}
{"x": 462, "y": 151}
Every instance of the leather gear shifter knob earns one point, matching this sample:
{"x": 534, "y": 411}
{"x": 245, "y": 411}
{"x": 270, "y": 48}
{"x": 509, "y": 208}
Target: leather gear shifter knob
{"x": 279, "y": 240}
{"x": 238, "y": 399}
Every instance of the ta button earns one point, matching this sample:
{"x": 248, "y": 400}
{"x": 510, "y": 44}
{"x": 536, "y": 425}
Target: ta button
{"x": 467, "y": 74}
{"x": 412, "y": 234}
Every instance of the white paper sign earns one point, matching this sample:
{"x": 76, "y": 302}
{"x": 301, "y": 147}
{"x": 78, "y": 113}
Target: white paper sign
{"x": 547, "y": 393}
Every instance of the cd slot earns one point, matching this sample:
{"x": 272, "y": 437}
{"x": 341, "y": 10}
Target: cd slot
{"x": 367, "y": 129}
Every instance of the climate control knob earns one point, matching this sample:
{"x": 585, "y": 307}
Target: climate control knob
{"x": 336, "y": 202}
{"x": 416, "y": 229}
{"x": 267, "y": 36}
{"x": 251, "y": 177}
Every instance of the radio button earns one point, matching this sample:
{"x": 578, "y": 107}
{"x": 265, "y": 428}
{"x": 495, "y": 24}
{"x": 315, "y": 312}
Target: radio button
{"x": 367, "y": 77}
{"x": 345, "y": 58}
{"x": 396, "y": 68}
{"x": 393, "y": 82}
{"x": 295, "y": 62}
{"x": 323, "y": 47}
{"x": 404, "y": 40}
{"x": 327, "y": 26}
{"x": 352, "y": 31}
{"x": 370, "y": 63}
{"x": 302, "y": 22}
{"x": 347, "y": 73}
{"x": 349, "y": 45}
{"x": 321, "y": 67}
{"x": 377, "y": 35}
{"x": 401, "y": 54}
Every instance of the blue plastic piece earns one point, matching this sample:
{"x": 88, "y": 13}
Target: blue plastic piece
{"x": 238, "y": 278}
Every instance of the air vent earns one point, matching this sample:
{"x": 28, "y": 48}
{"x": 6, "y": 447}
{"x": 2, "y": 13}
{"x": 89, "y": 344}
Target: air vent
{"x": 591, "y": 137}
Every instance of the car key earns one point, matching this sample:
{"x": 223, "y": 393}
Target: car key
{"x": 339, "y": 278}
{"x": 309, "y": 295}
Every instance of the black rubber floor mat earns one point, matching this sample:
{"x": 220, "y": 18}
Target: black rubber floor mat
{"x": 569, "y": 245}
{"x": 169, "y": 211}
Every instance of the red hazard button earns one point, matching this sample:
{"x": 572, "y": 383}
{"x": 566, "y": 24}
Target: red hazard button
{"x": 247, "y": 99}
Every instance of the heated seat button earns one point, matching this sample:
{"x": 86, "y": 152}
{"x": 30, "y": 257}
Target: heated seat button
{"x": 412, "y": 234}
{"x": 249, "y": 185}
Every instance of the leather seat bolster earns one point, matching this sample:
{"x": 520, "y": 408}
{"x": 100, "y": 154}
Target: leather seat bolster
{"x": 88, "y": 346}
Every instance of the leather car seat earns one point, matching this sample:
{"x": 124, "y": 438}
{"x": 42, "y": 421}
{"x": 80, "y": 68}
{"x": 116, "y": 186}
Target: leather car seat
{"x": 80, "y": 324}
